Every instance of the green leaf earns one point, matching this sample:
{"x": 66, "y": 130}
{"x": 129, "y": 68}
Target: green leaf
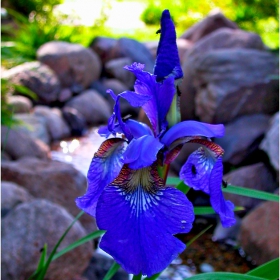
{"x": 79, "y": 242}
{"x": 197, "y": 236}
{"x": 251, "y": 193}
{"x": 173, "y": 181}
{"x": 153, "y": 277}
{"x": 207, "y": 210}
{"x": 224, "y": 276}
{"x": 183, "y": 187}
{"x": 112, "y": 271}
{"x": 269, "y": 270}
{"x": 137, "y": 277}
{"x": 26, "y": 91}
{"x": 40, "y": 264}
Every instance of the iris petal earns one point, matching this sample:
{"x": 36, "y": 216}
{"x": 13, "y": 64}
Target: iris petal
{"x": 192, "y": 128}
{"x": 141, "y": 217}
{"x": 104, "y": 168}
{"x": 167, "y": 62}
{"x": 203, "y": 172}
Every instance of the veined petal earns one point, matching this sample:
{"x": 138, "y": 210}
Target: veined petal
{"x": 138, "y": 129}
{"x": 167, "y": 62}
{"x": 204, "y": 172}
{"x": 142, "y": 152}
{"x": 104, "y": 168}
{"x": 140, "y": 217}
{"x": 192, "y": 128}
{"x": 135, "y": 99}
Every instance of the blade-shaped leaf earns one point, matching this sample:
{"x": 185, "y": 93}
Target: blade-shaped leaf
{"x": 224, "y": 276}
{"x": 112, "y": 271}
{"x": 207, "y": 210}
{"x": 269, "y": 270}
{"x": 197, "y": 236}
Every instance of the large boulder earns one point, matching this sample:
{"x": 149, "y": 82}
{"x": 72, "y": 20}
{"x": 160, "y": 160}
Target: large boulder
{"x": 75, "y": 65}
{"x": 92, "y": 106}
{"x": 56, "y": 181}
{"x": 20, "y": 104}
{"x": 25, "y": 231}
{"x": 227, "y": 83}
{"x": 38, "y": 77}
{"x": 242, "y": 137}
{"x": 259, "y": 232}
{"x": 18, "y": 144}
{"x": 257, "y": 177}
{"x": 212, "y": 22}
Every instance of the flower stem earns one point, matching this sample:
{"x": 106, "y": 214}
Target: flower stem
{"x": 137, "y": 277}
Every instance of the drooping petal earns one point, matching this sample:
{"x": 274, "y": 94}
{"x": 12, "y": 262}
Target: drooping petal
{"x": 104, "y": 168}
{"x": 142, "y": 152}
{"x": 140, "y": 217}
{"x": 167, "y": 61}
{"x": 192, "y": 128}
{"x": 134, "y": 99}
{"x": 204, "y": 172}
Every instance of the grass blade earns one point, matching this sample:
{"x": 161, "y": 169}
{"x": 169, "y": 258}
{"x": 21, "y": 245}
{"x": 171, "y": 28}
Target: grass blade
{"x": 207, "y": 210}
{"x": 112, "y": 271}
{"x": 269, "y": 270}
{"x": 224, "y": 276}
{"x": 197, "y": 236}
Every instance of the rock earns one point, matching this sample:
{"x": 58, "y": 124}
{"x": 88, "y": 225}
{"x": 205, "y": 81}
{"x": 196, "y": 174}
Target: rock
{"x": 56, "y": 181}
{"x": 257, "y": 177}
{"x": 93, "y": 107}
{"x": 103, "y": 46}
{"x": 12, "y": 195}
{"x": 37, "y": 77}
{"x": 75, "y": 65}
{"x": 212, "y": 22}
{"x": 206, "y": 267}
{"x": 75, "y": 120}
{"x": 27, "y": 228}
{"x": 233, "y": 82}
{"x": 136, "y": 51}
{"x": 115, "y": 68}
{"x": 64, "y": 95}
{"x": 34, "y": 126}
{"x": 56, "y": 125}
{"x": 18, "y": 144}
{"x": 242, "y": 137}
{"x": 227, "y": 235}
{"x": 5, "y": 156}
{"x": 99, "y": 266}
{"x": 20, "y": 104}
{"x": 259, "y": 233}
{"x": 270, "y": 143}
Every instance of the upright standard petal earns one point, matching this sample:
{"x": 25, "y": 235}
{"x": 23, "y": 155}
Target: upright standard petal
{"x": 104, "y": 168}
{"x": 167, "y": 61}
{"x": 204, "y": 172}
{"x": 141, "y": 216}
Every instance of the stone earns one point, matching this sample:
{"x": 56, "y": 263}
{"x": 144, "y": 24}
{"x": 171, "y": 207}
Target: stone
{"x": 12, "y": 195}
{"x": 34, "y": 126}
{"x": 259, "y": 232}
{"x": 270, "y": 143}
{"x": 115, "y": 69}
{"x": 18, "y": 144}
{"x": 65, "y": 95}
{"x": 233, "y": 82}
{"x": 37, "y": 77}
{"x": 92, "y": 106}
{"x": 256, "y": 177}
{"x": 242, "y": 137}
{"x": 99, "y": 265}
{"x": 212, "y": 22}
{"x": 20, "y": 104}
{"x": 75, "y": 120}
{"x": 103, "y": 47}
{"x": 56, "y": 181}
{"x": 27, "y": 228}
{"x": 56, "y": 125}
{"x": 75, "y": 65}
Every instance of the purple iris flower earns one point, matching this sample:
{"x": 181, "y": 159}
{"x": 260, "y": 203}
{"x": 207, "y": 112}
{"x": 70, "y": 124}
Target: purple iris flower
{"x": 125, "y": 192}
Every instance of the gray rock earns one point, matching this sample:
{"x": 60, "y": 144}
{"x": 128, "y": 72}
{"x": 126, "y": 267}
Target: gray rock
{"x": 12, "y": 195}
{"x": 56, "y": 181}
{"x": 242, "y": 137}
{"x": 75, "y": 65}
{"x": 259, "y": 233}
{"x": 18, "y": 144}
{"x": 115, "y": 68}
{"x": 34, "y": 126}
{"x": 227, "y": 235}
{"x": 20, "y": 104}
{"x": 27, "y": 228}
{"x": 65, "y": 95}
{"x": 93, "y": 107}
{"x": 37, "y": 77}
{"x": 56, "y": 125}
{"x": 256, "y": 177}
{"x": 270, "y": 143}
{"x": 212, "y": 22}
{"x": 233, "y": 82}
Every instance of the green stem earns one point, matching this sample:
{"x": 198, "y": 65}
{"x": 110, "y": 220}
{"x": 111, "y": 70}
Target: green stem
{"x": 137, "y": 277}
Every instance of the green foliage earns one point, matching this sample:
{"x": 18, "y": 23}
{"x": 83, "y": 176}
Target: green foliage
{"x": 151, "y": 15}
{"x": 269, "y": 270}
